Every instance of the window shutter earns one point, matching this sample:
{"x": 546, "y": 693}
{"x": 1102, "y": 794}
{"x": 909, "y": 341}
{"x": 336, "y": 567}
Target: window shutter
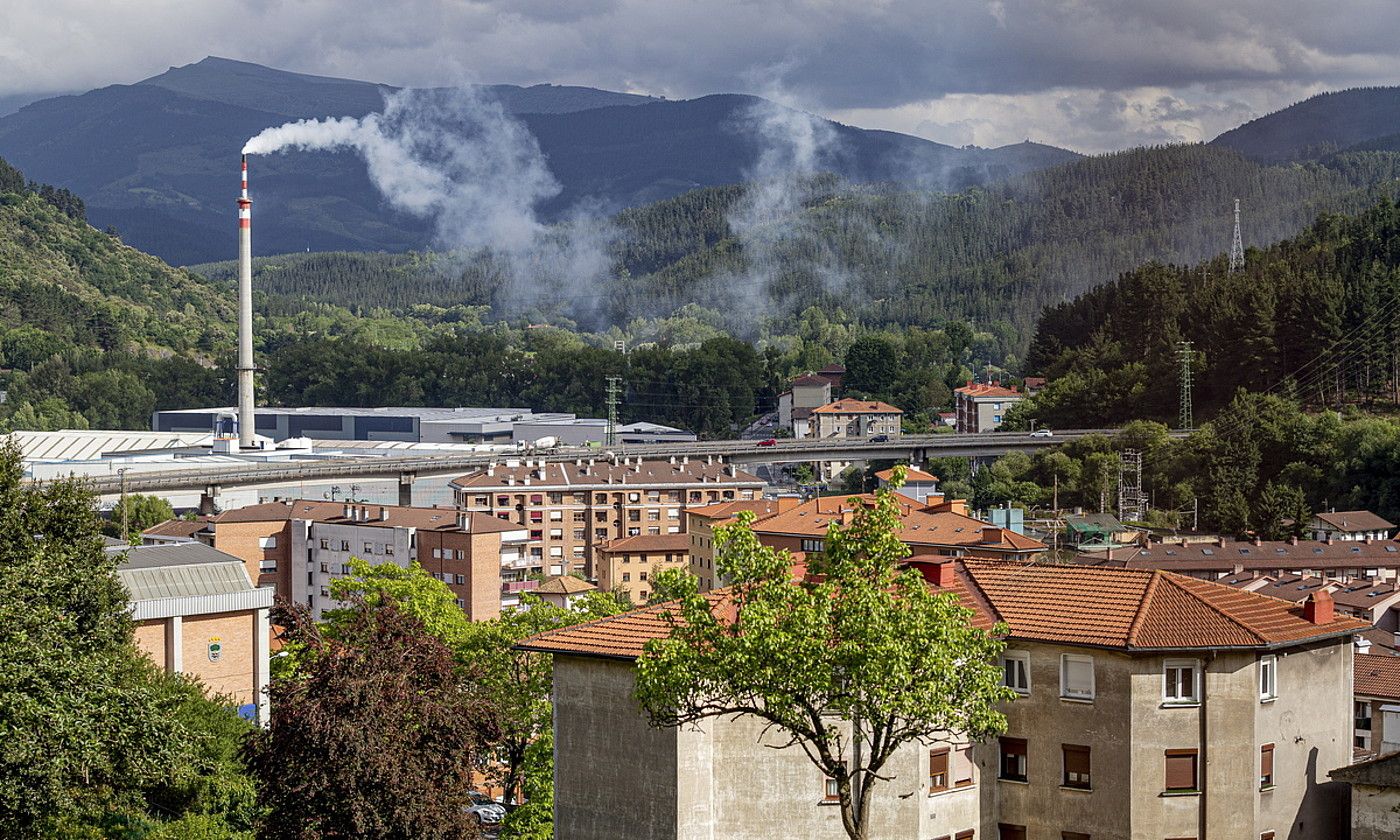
{"x": 1011, "y": 832}
{"x": 1013, "y": 746}
{"x": 1181, "y": 769}
{"x": 964, "y": 767}
{"x": 938, "y": 769}
{"x": 1266, "y": 765}
{"x": 1076, "y": 765}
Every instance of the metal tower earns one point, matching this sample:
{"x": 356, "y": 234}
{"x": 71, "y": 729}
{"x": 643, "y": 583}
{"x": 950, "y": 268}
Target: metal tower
{"x": 1237, "y": 244}
{"x": 1132, "y": 504}
{"x": 614, "y": 394}
{"x": 1185, "y": 421}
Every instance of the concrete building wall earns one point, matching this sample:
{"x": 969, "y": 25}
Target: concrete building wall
{"x": 614, "y": 776}
{"x": 1375, "y": 812}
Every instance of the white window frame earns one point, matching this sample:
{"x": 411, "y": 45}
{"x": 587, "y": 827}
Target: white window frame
{"x": 1065, "y": 659}
{"x": 269, "y": 541}
{"x": 1024, "y": 658}
{"x": 1268, "y": 677}
{"x": 1193, "y": 697}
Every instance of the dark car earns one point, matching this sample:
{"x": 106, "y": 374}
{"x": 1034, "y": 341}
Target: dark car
{"x": 880, "y": 439}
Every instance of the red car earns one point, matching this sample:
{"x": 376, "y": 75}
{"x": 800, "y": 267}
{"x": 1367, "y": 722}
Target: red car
{"x": 769, "y": 442}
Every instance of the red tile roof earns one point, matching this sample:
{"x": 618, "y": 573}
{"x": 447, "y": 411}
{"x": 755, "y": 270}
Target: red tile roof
{"x": 177, "y": 528}
{"x": 729, "y": 510}
{"x": 1377, "y": 676}
{"x": 920, "y": 525}
{"x": 647, "y": 543}
{"x": 852, "y": 406}
{"x": 1355, "y": 520}
{"x": 911, "y": 474}
{"x": 1226, "y": 555}
{"x": 1111, "y": 608}
{"x": 982, "y": 389}
{"x": 386, "y": 516}
{"x": 563, "y": 585}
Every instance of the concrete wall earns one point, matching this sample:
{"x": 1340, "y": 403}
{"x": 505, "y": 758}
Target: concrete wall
{"x": 614, "y": 776}
{"x": 1375, "y": 813}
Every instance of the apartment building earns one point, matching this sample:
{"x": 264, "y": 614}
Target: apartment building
{"x": 1375, "y": 602}
{"x": 196, "y": 612}
{"x": 1150, "y": 705}
{"x": 300, "y": 546}
{"x": 939, "y": 528}
{"x": 630, "y": 564}
{"x": 918, "y": 485}
{"x": 1212, "y": 559}
{"x": 568, "y": 509}
{"x": 1377, "y": 703}
{"x": 795, "y": 404}
{"x": 1349, "y": 525}
{"x": 700, "y": 525}
{"x": 981, "y": 407}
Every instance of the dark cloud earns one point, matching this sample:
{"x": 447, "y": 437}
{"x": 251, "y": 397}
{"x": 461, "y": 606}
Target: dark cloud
{"x": 896, "y": 63}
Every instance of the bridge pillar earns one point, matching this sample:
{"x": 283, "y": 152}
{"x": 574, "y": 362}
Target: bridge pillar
{"x": 208, "y": 500}
{"x": 406, "y": 489}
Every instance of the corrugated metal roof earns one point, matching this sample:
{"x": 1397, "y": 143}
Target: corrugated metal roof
{"x": 178, "y": 554}
{"x": 151, "y": 583}
{"x": 86, "y": 445}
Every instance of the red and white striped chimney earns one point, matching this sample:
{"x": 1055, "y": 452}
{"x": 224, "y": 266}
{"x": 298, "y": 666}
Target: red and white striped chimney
{"x": 246, "y": 429}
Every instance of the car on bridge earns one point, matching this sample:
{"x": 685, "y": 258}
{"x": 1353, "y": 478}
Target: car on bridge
{"x": 768, "y": 442}
{"x": 880, "y": 439}
{"x": 1042, "y": 433}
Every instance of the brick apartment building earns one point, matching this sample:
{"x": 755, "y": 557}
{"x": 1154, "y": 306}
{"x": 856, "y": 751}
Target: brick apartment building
{"x": 937, "y": 528}
{"x": 300, "y": 546}
{"x": 629, "y": 565}
{"x": 568, "y": 509}
{"x": 1151, "y": 705}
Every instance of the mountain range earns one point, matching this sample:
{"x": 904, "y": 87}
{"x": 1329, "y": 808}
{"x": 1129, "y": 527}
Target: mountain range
{"x": 156, "y": 159}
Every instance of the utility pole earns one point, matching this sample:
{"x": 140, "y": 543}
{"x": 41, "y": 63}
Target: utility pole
{"x": 1237, "y": 244}
{"x": 614, "y": 396}
{"x": 121, "y": 475}
{"x": 1130, "y": 498}
{"x": 1185, "y": 421}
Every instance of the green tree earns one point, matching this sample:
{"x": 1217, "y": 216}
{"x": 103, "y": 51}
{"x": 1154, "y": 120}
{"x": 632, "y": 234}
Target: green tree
{"x": 139, "y": 512}
{"x": 851, "y": 664}
{"x": 535, "y": 819}
{"x": 872, "y": 365}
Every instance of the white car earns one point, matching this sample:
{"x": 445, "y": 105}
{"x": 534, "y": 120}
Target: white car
{"x": 488, "y": 812}
{"x": 1042, "y": 433}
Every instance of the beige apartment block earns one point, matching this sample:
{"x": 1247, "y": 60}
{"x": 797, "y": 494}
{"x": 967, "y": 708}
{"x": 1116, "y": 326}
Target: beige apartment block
{"x": 568, "y": 509}
{"x": 700, "y": 525}
{"x": 981, "y": 407}
{"x": 630, "y": 565}
{"x": 1151, "y": 706}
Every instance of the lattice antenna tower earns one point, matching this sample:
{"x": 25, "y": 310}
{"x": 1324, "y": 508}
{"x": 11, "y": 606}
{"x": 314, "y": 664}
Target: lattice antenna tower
{"x": 1185, "y": 421}
{"x": 614, "y": 397}
{"x": 1237, "y": 243}
{"x": 1132, "y": 504}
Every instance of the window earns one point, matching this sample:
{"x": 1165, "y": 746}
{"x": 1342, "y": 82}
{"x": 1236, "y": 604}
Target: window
{"x": 1011, "y": 832}
{"x": 1181, "y": 770}
{"x": 267, "y": 542}
{"x": 389, "y": 549}
{"x": 963, "y": 766}
{"x": 1268, "y": 677}
{"x": 626, "y": 576}
{"x": 344, "y": 545}
{"x": 831, "y": 790}
{"x": 437, "y": 554}
{"x": 1362, "y": 714}
{"x": 1016, "y": 671}
{"x": 460, "y": 580}
{"x": 812, "y": 545}
{"x": 1013, "y": 759}
{"x": 325, "y": 543}
{"x": 369, "y": 547}
{"x": 460, "y": 603}
{"x": 965, "y": 835}
{"x": 937, "y": 770}
{"x": 1073, "y": 835}
{"x": 1076, "y": 766}
{"x": 642, "y": 576}
{"x": 1077, "y": 676}
{"x": 1266, "y": 835}
{"x": 1181, "y": 681}
{"x": 1266, "y": 766}
{"x": 267, "y": 566}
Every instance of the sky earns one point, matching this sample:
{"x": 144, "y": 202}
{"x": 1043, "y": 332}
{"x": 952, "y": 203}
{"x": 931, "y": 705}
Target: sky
{"x": 1092, "y": 75}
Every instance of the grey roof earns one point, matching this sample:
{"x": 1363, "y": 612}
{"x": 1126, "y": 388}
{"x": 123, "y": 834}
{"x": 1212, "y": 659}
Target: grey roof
{"x": 150, "y": 572}
{"x": 1381, "y": 771}
{"x": 1096, "y": 520}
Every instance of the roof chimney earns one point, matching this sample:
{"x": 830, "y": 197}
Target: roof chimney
{"x": 1293, "y": 540}
{"x": 462, "y": 521}
{"x": 941, "y": 574}
{"x": 348, "y": 512}
{"x": 1363, "y": 644}
{"x": 991, "y": 534}
{"x": 383, "y": 513}
{"x": 1258, "y": 540}
{"x": 1319, "y": 608}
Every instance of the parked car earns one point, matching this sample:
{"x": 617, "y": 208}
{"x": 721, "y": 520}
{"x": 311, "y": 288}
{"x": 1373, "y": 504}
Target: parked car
{"x": 880, "y": 439}
{"x": 768, "y": 442}
{"x": 1042, "y": 433}
{"x": 488, "y": 812}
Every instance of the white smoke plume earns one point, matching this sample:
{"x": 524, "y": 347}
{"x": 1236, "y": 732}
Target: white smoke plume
{"x": 459, "y": 160}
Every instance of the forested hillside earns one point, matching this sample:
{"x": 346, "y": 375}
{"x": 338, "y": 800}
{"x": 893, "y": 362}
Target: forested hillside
{"x": 1318, "y": 126}
{"x": 995, "y": 257}
{"x": 1316, "y": 316}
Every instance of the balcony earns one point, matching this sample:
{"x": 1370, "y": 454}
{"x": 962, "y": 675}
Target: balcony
{"x": 514, "y": 587}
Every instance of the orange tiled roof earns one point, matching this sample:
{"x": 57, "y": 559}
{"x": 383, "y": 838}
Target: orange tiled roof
{"x": 603, "y": 474}
{"x": 1377, "y": 676}
{"x": 1355, "y": 520}
{"x": 563, "y": 585}
{"x": 616, "y": 637}
{"x": 920, "y": 525}
{"x": 1112, "y": 608}
{"x": 387, "y": 516}
{"x": 177, "y": 528}
{"x": 982, "y": 389}
{"x": 852, "y": 406}
{"x": 912, "y": 474}
{"x": 647, "y": 542}
{"x": 729, "y": 510}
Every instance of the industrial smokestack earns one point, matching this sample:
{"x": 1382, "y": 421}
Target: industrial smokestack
{"x": 246, "y": 427}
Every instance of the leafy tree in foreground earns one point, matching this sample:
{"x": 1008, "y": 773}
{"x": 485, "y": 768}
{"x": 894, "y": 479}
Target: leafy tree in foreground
{"x": 535, "y": 819}
{"x": 851, "y": 664}
{"x": 375, "y": 734}
{"x": 141, "y": 512}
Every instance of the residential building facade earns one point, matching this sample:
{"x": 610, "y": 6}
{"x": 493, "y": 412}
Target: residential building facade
{"x": 568, "y": 509}
{"x": 850, "y": 418}
{"x": 1375, "y": 797}
{"x": 795, "y": 405}
{"x": 196, "y": 612}
{"x": 1150, "y": 706}
{"x": 629, "y": 565}
{"x": 1377, "y": 703}
{"x": 1343, "y": 525}
{"x": 700, "y": 525}
{"x": 918, "y": 485}
{"x": 300, "y": 546}
{"x": 981, "y": 407}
